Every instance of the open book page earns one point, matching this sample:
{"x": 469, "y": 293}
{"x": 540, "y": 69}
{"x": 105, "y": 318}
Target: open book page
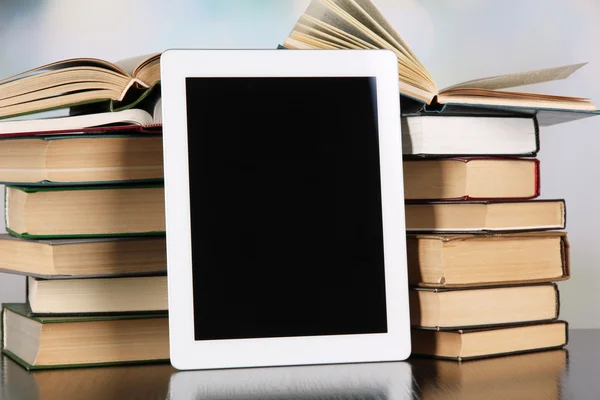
{"x": 59, "y": 112}
{"x": 519, "y": 79}
{"x": 482, "y": 97}
{"x": 151, "y": 59}
{"x": 132, "y": 116}
{"x": 130, "y": 64}
{"x": 373, "y": 11}
{"x": 372, "y": 18}
{"x": 326, "y": 37}
{"x": 157, "y": 113}
{"x": 66, "y": 80}
{"x": 70, "y": 63}
{"x": 327, "y": 16}
{"x": 145, "y": 69}
{"x": 358, "y": 24}
{"x": 354, "y": 16}
{"x": 319, "y": 29}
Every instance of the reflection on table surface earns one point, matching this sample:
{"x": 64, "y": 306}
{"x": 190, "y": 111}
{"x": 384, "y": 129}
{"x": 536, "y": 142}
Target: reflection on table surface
{"x": 373, "y": 381}
{"x": 544, "y": 375}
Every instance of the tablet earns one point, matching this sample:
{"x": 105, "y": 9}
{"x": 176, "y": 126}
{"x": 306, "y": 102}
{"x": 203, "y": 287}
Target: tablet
{"x": 284, "y": 208}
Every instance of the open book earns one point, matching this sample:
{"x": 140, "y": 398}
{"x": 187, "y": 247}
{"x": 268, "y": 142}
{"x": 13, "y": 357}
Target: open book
{"x": 79, "y": 81}
{"x": 130, "y": 120}
{"x": 358, "y": 24}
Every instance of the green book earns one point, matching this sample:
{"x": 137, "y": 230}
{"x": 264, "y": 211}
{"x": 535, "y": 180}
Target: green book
{"x": 84, "y": 211}
{"x": 42, "y": 159}
{"x": 82, "y": 341}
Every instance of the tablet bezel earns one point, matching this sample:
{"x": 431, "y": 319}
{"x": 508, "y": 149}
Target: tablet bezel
{"x": 186, "y": 352}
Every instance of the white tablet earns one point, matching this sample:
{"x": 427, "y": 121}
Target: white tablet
{"x": 284, "y": 207}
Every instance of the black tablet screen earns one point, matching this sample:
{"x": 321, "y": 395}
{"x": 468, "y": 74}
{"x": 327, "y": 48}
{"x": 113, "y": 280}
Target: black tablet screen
{"x": 286, "y": 215}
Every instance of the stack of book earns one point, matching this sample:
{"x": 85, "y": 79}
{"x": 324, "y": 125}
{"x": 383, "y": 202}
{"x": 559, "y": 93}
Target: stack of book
{"x": 84, "y": 210}
{"x": 482, "y": 255}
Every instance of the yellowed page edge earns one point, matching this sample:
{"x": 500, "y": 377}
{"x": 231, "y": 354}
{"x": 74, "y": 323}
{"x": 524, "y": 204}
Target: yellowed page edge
{"x": 519, "y": 79}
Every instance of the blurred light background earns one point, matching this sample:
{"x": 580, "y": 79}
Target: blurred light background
{"x": 457, "y": 40}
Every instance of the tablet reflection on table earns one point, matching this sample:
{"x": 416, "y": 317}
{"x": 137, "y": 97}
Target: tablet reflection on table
{"x": 368, "y": 381}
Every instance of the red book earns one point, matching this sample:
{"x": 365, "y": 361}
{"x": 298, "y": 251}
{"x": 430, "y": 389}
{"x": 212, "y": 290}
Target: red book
{"x": 480, "y": 178}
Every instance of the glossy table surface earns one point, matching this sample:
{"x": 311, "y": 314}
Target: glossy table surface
{"x": 558, "y": 374}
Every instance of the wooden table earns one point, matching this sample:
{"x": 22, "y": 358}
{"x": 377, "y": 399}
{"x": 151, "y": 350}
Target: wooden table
{"x": 559, "y": 374}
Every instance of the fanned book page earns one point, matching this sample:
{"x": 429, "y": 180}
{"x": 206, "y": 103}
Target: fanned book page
{"x": 358, "y": 24}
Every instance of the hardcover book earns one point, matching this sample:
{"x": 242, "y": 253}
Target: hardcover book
{"x": 96, "y": 257}
{"x": 81, "y": 159}
{"x": 82, "y": 341}
{"x": 84, "y": 211}
{"x": 485, "y": 216}
{"x": 471, "y": 178}
{"x": 97, "y": 295}
{"x": 443, "y": 309}
{"x": 463, "y": 260}
{"x": 436, "y": 136}
{"x": 465, "y": 344}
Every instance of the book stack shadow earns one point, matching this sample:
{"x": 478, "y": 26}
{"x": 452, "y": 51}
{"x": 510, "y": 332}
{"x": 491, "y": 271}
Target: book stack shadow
{"x": 84, "y": 212}
{"x": 483, "y": 254}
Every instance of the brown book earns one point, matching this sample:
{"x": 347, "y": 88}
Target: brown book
{"x": 97, "y": 295}
{"x": 462, "y": 260}
{"x": 471, "y": 178}
{"x": 482, "y": 216}
{"x": 453, "y": 309}
{"x": 83, "y": 257}
{"x": 82, "y": 158}
{"x": 60, "y": 342}
{"x": 478, "y": 343}
{"x": 85, "y": 211}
